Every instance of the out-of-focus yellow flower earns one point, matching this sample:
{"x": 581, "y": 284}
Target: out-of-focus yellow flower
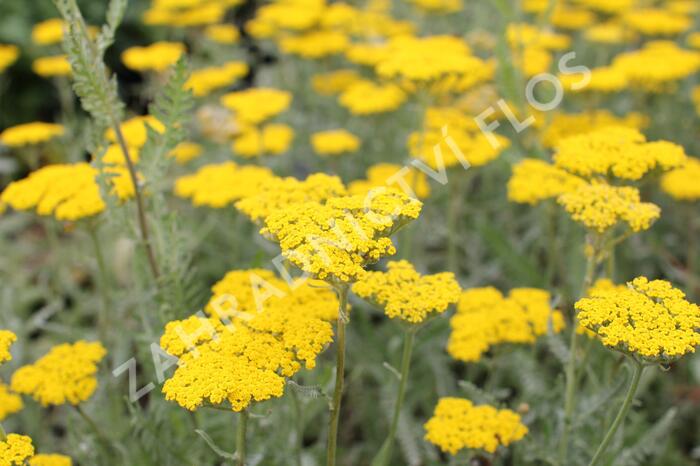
{"x": 367, "y": 54}
{"x": 366, "y": 98}
{"x": 135, "y": 130}
{"x": 602, "y": 79}
{"x": 334, "y": 82}
{"x": 220, "y": 185}
{"x": 610, "y": 7}
{"x": 334, "y": 142}
{"x": 458, "y": 424}
{"x": 527, "y": 35}
{"x": 694, "y": 40}
{"x": 50, "y": 460}
{"x": 222, "y": 33}
{"x": 48, "y": 32}
{"x": 271, "y": 139}
{"x": 608, "y": 33}
{"x": 206, "y": 80}
{"x": 255, "y": 105}
{"x": 565, "y": 17}
{"x": 10, "y": 403}
{"x": 643, "y": 67}
{"x": 294, "y": 15}
{"x": 8, "y": 55}
{"x": 535, "y": 180}
{"x": 315, "y": 44}
{"x": 532, "y": 60}
{"x": 185, "y": 152}
{"x": 15, "y": 450}
{"x": 155, "y": 57}
{"x": 564, "y": 125}
{"x": 66, "y": 374}
{"x": 405, "y": 178}
{"x": 30, "y": 133}
{"x": 52, "y": 66}
{"x": 450, "y": 146}
{"x": 656, "y": 22}
{"x": 683, "y": 183}
{"x": 405, "y": 294}
{"x": 6, "y": 340}
{"x": 439, "y": 6}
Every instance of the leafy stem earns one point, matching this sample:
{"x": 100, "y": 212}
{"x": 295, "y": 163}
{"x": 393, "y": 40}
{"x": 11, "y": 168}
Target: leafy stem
{"x": 339, "y": 376}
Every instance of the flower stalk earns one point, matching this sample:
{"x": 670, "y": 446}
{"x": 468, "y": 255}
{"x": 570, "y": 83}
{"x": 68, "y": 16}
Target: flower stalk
{"x": 339, "y": 376}
{"x": 622, "y": 413}
{"x": 103, "y": 318}
{"x": 241, "y": 430}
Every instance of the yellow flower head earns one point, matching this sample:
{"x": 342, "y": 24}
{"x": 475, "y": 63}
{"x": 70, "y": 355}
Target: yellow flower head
{"x": 600, "y": 207}
{"x": 15, "y": 450}
{"x": 30, "y": 133}
{"x": 222, "y": 33}
{"x": 185, "y": 152}
{"x": 51, "y": 460}
{"x": 527, "y": 35}
{"x": 682, "y": 183}
{"x": 458, "y": 424}
{"x": 10, "y": 403}
{"x": 403, "y": 293}
{"x": 6, "y": 340}
{"x": 602, "y": 79}
{"x": 272, "y": 139}
{"x": 610, "y": 7}
{"x": 204, "y": 81}
{"x": 255, "y": 105}
{"x": 643, "y": 70}
{"x": 485, "y": 318}
{"x": 570, "y": 124}
{"x": 439, "y": 6}
{"x": 279, "y": 193}
{"x": 66, "y": 374}
{"x": 219, "y": 185}
{"x": 334, "y": 142}
{"x": 155, "y": 57}
{"x": 48, "y": 32}
{"x": 650, "y": 319}
{"x": 365, "y": 97}
{"x": 293, "y": 15}
{"x": 334, "y": 82}
{"x": 336, "y": 240}
{"x": 135, "y": 130}
{"x": 535, "y": 180}
{"x": 244, "y": 353}
{"x": 408, "y": 179}
{"x": 8, "y": 55}
{"x": 617, "y": 151}
{"x": 656, "y": 22}
{"x": 367, "y": 54}
{"x": 315, "y": 44}
{"x": 66, "y": 191}
{"x": 608, "y": 33}
{"x": 449, "y": 146}
{"x": 52, "y": 66}
{"x": 565, "y": 17}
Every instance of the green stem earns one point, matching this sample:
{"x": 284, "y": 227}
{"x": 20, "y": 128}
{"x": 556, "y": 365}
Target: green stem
{"x": 691, "y": 265}
{"x": 570, "y": 394}
{"x": 241, "y": 429}
{"x": 298, "y": 417}
{"x": 143, "y": 223}
{"x": 624, "y": 409}
{"x": 95, "y": 428}
{"x": 3, "y": 434}
{"x": 384, "y": 456}
{"x": 339, "y": 377}
{"x": 103, "y": 319}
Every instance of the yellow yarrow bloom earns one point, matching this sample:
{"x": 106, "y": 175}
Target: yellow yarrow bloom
{"x": 527, "y": 35}
{"x": 30, "y": 133}
{"x": 8, "y": 55}
{"x": 570, "y": 124}
{"x": 693, "y": 40}
{"x": 534, "y": 180}
{"x": 438, "y": 6}
{"x": 155, "y": 57}
{"x": 6, "y": 340}
{"x": 616, "y": 151}
{"x": 48, "y": 32}
{"x": 186, "y": 151}
{"x": 602, "y": 79}
{"x": 204, "y": 81}
{"x": 255, "y": 105}
{"x": 222, "y": 33}
{"x": 10, "y": 403}
{"x": 271, "y": 139}
{"x": 15, "y": 450}
{"x": 50, "y": 460}
{"x": 220, "y": 185}
{"x": 52, "y": 66}
{"x": 245, "y": 353}
{"x": 367, "y": 54}
{"x": 656, "y": 22}
{"x": 682, "y": 183}
{"x": 610, "y": 7}
{"x": 315, "y": 44}
{"x": 608, "y": 33}
{"x": 565, "y": 17}
{"x": 444, "y": 147}
{"x": 406, "y": 178}
{"x": 334, "y": 82}
{"x": 458, "y": 424}
{"x": 365, "y": 97}
{"x": 280, "y": 193}
{"x": 405, "y": 294}
{"x": 650, "y": 319}
{"x": 600, "y": 207}
{"x": 643, "y": 69}
{"x": 334, "y": 142}
{"x": 336, "y": 240}
{"x": 135, "y": 130}
{"x": 294, "y": 15}
{"x": 66, "y": 374}
{"x": 485, "y": 318}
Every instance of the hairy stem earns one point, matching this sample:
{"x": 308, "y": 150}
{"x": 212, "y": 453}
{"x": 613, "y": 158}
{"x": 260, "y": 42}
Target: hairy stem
{"x": 621, "y": 414}
{"x": 570, "y": 394}
{"x": 103, "y": 318}
{"x": 241, "y": 430}
{"x": 384, "y": 456}
{"x": 143, "y": 223}
{"x": 339, "y": 377}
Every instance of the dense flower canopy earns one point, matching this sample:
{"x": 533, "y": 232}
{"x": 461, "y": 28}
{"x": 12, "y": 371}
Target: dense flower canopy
{"x": 651, "y": 319}
{"x": 485, "y": 318}
{"x": 458, "y": 424}
{"x": 244, "y": 352}
{"x": 65, "y": 375}
{"x": 405, "y": 294}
